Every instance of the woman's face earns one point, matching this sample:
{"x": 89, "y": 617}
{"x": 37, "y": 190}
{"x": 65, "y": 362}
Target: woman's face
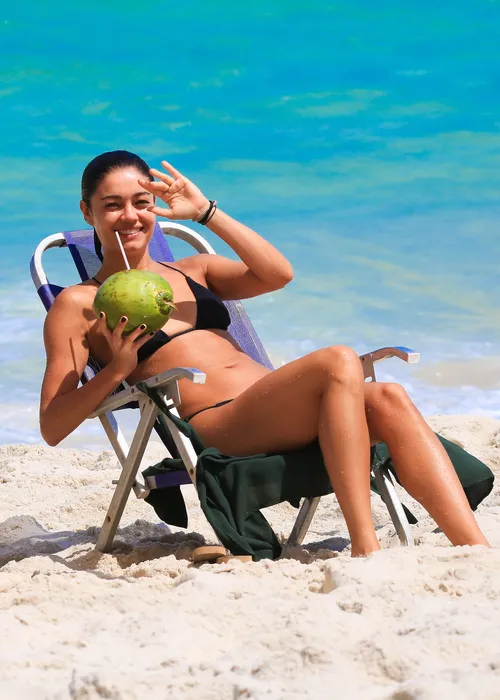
{"x": 120, "y": 204}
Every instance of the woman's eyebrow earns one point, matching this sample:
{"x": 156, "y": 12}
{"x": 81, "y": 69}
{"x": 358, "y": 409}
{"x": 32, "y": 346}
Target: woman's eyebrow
{"x": 118, "y": 196}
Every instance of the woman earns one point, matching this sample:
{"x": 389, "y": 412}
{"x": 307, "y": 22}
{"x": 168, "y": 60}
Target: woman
{"x": 243, "y": 408}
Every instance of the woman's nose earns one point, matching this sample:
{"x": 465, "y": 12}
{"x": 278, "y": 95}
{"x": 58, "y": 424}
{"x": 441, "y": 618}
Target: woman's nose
{"x": 129, "y": 212}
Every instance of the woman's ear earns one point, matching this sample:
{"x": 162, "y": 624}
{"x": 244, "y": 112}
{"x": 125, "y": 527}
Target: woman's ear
{"x": 87, "y": 214}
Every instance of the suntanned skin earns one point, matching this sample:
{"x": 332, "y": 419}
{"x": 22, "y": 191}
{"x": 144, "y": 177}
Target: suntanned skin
{"x": 320, "y": 395}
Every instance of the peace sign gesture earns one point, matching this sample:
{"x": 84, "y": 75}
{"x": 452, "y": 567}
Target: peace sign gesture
{"x": 184, "y": 200}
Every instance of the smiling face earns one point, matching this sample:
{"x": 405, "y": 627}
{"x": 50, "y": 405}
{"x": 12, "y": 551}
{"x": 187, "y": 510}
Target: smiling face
{"x": 120, "y": 204}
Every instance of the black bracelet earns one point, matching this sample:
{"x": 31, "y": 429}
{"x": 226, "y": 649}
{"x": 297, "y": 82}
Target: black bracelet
{"x": 209, "y": 213}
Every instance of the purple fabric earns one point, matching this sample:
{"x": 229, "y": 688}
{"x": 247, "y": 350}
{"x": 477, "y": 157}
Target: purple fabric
{"x": 158, "y": 246}
{"x": 174, "y": 478}
{"x": 81, "y": 246}
{"x": 48, "y": 293}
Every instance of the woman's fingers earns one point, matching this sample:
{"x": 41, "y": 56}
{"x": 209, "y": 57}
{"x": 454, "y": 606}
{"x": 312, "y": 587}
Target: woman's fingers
{"x": 144, "y": 339}
{"x": 175, "y": 187}
{"x": 133, "y": 335}
{"x": 170, "y": 168}
{"x": 160, "y": 211}
{"x": 103, "y": 325}
{"x": 120, "y": 327}
{"x": 162, "y": 176}
{"x": 158, "y": 188}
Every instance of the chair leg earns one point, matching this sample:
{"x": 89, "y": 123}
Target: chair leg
{"x": 127, "y": 477}
{"x": 121, "y": 449}
{"x": 390, "y": 497}
{"x": 115, "y": 436}
{"x": 303, "y": 521}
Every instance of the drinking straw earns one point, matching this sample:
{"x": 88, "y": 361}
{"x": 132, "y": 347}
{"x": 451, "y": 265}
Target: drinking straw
{"x": 123, "y": 251}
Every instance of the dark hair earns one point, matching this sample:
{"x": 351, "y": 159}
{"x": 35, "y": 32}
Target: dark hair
{"x": 99, "y": 167}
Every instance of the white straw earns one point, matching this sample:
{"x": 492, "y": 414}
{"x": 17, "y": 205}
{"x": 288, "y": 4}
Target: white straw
{"x": 123, "y": 251}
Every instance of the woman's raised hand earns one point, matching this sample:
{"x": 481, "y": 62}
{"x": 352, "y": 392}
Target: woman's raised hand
{"x": 123, "y": 347}
{"x": 183, "y": 198}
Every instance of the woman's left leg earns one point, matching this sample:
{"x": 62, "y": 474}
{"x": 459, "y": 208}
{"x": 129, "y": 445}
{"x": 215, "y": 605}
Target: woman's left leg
{"x": 422, "y": 464}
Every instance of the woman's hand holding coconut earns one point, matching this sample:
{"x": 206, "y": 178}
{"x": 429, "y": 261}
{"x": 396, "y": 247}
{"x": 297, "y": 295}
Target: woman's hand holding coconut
{"x": 124, "y": 346}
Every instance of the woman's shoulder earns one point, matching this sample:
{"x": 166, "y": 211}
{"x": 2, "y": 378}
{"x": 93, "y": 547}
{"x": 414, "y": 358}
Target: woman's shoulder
{"x": 75, "y": 300}
{"x": 81, "y": 292}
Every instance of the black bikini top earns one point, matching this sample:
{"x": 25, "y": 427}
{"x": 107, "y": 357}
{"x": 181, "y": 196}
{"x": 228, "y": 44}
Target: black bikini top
{"x": 210, "y": 313}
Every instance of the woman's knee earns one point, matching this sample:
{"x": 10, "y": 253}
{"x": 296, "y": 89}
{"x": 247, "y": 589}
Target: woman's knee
{"x": 387, "y": 398}
{"x": 341, "y": 364}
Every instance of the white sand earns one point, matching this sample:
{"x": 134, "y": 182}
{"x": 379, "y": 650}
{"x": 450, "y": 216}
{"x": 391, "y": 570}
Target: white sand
{"x": 143, "y": 622}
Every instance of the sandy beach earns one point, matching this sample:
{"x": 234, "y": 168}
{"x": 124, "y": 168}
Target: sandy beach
{"x": 143, "y": 621}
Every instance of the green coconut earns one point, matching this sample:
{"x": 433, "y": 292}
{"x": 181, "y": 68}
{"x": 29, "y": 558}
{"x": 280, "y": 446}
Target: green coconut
{"x": 141, "y": 296}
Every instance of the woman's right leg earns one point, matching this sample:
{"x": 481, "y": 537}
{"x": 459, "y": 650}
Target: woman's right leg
{"x": 320, "y": 395}
{"x": 421, "y": 462}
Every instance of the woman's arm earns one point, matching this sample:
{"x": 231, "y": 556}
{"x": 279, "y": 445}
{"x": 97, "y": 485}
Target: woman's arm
{"x": 63, "y": 405}
{"x": 262, "y": 268}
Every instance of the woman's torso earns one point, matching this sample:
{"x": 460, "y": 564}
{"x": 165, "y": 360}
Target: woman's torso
{"x": 229, "y": 371}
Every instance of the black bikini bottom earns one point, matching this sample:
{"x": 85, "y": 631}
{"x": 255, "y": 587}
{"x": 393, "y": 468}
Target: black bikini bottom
{"x": 216, "y": 405}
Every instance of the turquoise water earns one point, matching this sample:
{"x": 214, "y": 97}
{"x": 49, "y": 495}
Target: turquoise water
{"x": 362, "y": 139}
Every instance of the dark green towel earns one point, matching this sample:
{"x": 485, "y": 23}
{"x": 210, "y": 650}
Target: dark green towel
{"x": 476, "y": 478}
{"x": 232, "y": 490}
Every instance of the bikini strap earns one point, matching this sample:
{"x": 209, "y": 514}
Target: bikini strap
{"x": 173, "y": 268}
{"x": 96, "y": 280}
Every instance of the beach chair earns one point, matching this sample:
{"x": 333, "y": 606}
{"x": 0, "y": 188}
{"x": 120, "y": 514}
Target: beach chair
{"x": 81, "y": 246}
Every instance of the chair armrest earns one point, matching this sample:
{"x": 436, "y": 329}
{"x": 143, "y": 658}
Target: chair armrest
{"x": 165, "y": 379}
{"x": 368, "y": 359}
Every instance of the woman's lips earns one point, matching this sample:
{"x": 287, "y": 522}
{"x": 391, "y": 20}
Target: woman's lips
{"x": 128, "y": 234}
